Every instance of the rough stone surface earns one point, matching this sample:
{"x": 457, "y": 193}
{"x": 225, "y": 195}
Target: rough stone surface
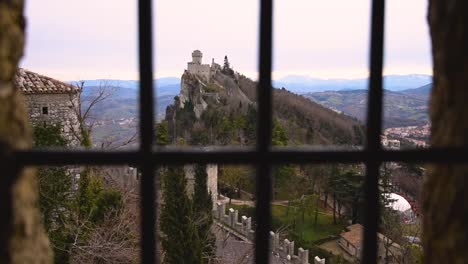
{"x": 59, "y": 107}
{"x": 22, "y": 237}
{"x": 445, "y": 196}
{"x": 212, "y": 181}
{"x": 50, "y": 101}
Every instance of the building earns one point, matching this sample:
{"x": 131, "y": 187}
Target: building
{"x": 50, "y": 101}
{"x": 196, "y": 67}
{"x": 351, "y": 241}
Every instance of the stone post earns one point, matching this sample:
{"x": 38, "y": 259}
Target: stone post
{"x": 231, "y": 217}
{"x": 221, "y": 211}
{"x": 248, "y": 224}
{"x": 286, "y": 247}
{"x": 235, "y": 219}
{"x": 291, "y": 248}
{"x": 318, "y": 260}
{"x": 272, "y": 241}
{"x": 303, "y": 256}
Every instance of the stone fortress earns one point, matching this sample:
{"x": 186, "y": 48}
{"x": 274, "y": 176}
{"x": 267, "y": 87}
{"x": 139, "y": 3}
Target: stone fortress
{"x": 205, "y": 71}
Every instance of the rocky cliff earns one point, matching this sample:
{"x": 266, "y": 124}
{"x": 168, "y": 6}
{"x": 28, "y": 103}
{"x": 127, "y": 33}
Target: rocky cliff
{"x": 222, "y": 111}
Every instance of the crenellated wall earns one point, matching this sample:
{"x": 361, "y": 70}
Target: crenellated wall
{"x": 283, "y": 249}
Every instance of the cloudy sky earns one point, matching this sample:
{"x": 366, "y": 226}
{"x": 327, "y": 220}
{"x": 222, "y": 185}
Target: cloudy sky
{"x": 91, "y": 39}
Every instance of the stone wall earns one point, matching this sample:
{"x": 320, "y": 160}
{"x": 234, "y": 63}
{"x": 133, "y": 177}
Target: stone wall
{"x": 202, "y": 70}
{"x": 283, "y": 249}
{"x": 212, "y": 181}
{"x": 52, "y": 108}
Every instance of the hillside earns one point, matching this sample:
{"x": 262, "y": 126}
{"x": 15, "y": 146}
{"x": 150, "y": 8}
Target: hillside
{"x": 305, "y": 84}
{"x": 404, "y": 108}
{"x": 116, "y": 117}
{"x": 222, "y": 111}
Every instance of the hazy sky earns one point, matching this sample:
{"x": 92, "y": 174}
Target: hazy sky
{"x": 91, "y": 39}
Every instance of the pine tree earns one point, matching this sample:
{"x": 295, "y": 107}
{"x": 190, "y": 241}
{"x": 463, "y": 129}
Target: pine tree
{"x": 202, "y": 207}
{"x": 226, "y": 65}
{"x": 180, "y": 237}
{"x": 162, "y": 133}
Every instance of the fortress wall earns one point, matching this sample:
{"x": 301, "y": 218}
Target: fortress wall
{"x": 199, "y": 69}
{"x": 283, "y": 248}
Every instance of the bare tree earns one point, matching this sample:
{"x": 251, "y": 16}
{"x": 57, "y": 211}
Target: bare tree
{"x": 84, "y": 107}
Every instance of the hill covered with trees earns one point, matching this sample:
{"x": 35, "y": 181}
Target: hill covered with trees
{"x": 223, "y": 111}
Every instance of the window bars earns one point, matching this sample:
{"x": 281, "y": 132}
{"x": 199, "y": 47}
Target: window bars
{"x": 263, "y": 156}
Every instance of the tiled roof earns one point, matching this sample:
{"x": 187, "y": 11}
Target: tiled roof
{"x": 354, "y": 235}
{"x": 33, "y": 83}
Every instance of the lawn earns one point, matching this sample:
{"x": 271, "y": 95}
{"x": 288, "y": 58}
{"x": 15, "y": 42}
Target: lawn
{"x": 283, "y": 219}
{"x": 310, "y": 232}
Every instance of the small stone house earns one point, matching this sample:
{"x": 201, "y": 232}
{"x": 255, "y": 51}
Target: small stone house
{"x": 50, "y": 101}
{"x": 352, "y": 240}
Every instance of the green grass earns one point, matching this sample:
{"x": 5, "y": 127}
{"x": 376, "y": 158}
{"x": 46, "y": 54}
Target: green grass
{"x": 283, "y": 219}
{"x": 310, "y": 231}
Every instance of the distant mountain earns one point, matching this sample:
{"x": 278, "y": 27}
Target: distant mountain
{"x": 118, "y": 114}
{"x": 422, "y": 92}
{"x": 403, "y": 108}
{"x": 305, "y": 84}
{"x": 165, "y": 86}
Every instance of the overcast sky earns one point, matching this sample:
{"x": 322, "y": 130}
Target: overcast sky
{"x": 91, "y": 39}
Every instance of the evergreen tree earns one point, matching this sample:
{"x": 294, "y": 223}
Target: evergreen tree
{"x": 180, "y": 237}
{"x": 162, "y": 133}
{"x": 63, "y": 209}
{"x": 283, "y": 172}
{"x": 202, "y": 213}
{"x": 226, "y": 65}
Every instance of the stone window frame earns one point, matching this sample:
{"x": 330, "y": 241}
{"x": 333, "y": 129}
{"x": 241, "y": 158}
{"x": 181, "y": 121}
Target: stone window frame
{"x": 263, "y": 156}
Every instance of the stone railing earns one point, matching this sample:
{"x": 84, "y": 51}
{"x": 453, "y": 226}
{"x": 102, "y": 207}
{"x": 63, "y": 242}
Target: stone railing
{"x": 282, "y": 249}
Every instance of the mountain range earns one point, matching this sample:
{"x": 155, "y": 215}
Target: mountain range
{"x": 401, "y": 108}
{"x": 305, "y": 84}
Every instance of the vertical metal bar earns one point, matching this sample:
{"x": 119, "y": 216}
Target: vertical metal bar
{"x": 374, "y": 127}
{"x": 148, "y": 214}
{"x": 264, "y": 127}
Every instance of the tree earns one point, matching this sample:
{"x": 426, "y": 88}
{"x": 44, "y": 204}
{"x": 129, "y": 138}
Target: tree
{"x": 84, "y": 107}
{"x": 71, "y": 216}
{"x": 227, "y": 67}
{"x": 162, "y": 133}
{"x": 393, "y": 231}
{"x": 202, "y": 213}
{"x": 180, "y": 239}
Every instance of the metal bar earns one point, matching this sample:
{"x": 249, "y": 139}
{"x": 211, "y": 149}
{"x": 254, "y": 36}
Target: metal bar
{"x": 264, "y": 127}
{"x": 148, "y": 195}
{"x": 374, "y": 127}
{"x": 435, "y": 155}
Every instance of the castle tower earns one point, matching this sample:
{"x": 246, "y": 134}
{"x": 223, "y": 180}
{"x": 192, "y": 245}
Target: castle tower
{"x": 197, "y": 57}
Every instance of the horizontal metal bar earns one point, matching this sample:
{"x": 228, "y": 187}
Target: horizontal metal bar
{"x": 283, "y": 155}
